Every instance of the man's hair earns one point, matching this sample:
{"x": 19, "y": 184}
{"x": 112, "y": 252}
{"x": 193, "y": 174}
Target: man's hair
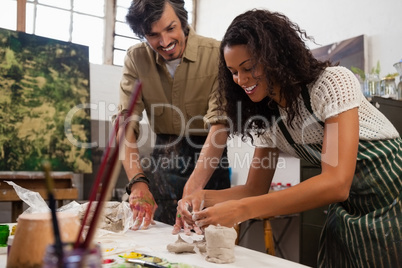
{"x": 142, "y": 13}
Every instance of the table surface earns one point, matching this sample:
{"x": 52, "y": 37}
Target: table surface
{"x": 154, "y": 241}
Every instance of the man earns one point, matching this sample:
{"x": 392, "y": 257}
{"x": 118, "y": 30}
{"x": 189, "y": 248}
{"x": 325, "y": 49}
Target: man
{"x": 178, "y": 70}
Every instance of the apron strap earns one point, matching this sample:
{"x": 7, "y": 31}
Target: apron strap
{"x": 306, "y": 100}
{"x": 283, "y": 128}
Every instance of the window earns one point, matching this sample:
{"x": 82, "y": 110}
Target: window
{"x": 77, "y": 21}
{"x": 8, "y": 14}
{"x": 85, "y": 22}
{"x": 123, "y": 36}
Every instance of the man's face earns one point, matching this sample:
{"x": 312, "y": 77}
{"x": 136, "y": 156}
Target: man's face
{"x": 167, "y": 37}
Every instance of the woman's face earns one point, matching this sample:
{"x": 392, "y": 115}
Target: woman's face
{"x": 251, "y": 79}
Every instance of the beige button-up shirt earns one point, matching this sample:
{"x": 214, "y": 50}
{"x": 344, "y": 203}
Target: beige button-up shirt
{"x": 185, "y": 104}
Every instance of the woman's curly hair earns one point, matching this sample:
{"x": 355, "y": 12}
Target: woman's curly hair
{"x": 279, "y": 46}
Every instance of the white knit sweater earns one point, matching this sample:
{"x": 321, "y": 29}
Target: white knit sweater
{"x": 336, "y": 90}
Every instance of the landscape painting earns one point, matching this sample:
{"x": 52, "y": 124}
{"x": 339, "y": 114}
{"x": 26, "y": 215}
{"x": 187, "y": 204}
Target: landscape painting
{"x": 44, "y": 100}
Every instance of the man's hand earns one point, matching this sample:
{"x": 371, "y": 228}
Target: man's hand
{"x": 143, "y": 205}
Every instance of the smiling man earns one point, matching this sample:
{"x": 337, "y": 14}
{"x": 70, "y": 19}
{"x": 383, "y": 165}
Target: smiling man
{"x": 178, "y": 70}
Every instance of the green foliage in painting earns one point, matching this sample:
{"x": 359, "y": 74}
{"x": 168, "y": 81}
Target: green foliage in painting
{"x": 41, "y": 80}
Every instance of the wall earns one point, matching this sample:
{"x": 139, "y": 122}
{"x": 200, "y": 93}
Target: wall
{"x": 104, "y": 84}
{"x": 327, "y": 21}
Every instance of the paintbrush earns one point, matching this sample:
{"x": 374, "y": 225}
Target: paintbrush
{"x": 52, "y": 205}
{"x": 109, "y": 174}
{"x": 144, "y": 263}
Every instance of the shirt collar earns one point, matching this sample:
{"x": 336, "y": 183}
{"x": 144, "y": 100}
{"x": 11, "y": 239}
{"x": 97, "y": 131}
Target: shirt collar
{"x": 191, "y": 51}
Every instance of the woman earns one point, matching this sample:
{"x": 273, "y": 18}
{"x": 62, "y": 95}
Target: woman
{"x": 293, "y": 103}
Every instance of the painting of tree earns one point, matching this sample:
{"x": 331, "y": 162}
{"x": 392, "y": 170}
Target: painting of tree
{"x": 44, "y": 94}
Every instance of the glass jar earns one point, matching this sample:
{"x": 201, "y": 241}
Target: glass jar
{"x": 399, "y": 89}
{"x": 388, "y": 88}
{"x": 73, "y": 257}
{"x": 4, "y": 233}
{"x": 372, "y": 85}
{"x": 398, "y": 67}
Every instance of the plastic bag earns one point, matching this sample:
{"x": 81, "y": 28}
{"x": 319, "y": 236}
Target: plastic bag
{"x": 116, "y": 217}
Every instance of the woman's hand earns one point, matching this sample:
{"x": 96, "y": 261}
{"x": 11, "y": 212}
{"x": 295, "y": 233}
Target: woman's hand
{"x": 229, "y": 214}
{"x": 185, "y": 209}
{"x": 143, "y": 205}
{"x": 190, "y": 204}
{"x": 181, "y": 224}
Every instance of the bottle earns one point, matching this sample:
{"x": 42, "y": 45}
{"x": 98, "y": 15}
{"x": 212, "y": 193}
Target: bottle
{"x": 373, "y": 85}
{"x": 278, "y": 187}
{"x": 4, "y": 233}
{"x": 388, "y": 88}
{"x": 398, "y": 67}
{"x": 273, "y": 184}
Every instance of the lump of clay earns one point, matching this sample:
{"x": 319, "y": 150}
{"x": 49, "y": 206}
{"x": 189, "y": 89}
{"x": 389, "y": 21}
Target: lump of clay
{"x": 202, "y": 246}
{"x": 180, "y": 246}
{"x": 112, "y": 218}
{"x": 220, "y": 244}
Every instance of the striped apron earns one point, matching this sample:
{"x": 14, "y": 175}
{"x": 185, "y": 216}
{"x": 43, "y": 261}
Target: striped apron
{"x": 365, "y": 230}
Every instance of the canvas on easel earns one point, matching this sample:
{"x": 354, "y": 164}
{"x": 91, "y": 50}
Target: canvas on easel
{"x": 44, "y": 104}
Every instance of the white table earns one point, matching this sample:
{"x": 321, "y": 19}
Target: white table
{"x": 154, "y": 241}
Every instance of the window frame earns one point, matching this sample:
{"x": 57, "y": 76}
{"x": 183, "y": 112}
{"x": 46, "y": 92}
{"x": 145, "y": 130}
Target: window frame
{"x": 109, "y": 28}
